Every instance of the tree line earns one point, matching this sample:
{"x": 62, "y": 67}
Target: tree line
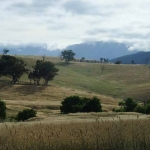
{"x": 14, "y": 68}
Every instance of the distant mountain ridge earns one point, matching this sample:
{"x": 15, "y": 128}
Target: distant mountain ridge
{"x": 99, "y": 50}
{"x": 138, "y": 58}
{"x": 30, "y": 50}
{"x": 93, "y": 50}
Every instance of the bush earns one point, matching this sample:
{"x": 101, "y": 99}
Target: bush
{"x": 26, "y": 114}
{"x": 118, "y": 62}
{"x": 75, "y": 104}
{"x": 118, "y": 110}
{"x": 92, "y": 105}
{"x": 2, "y": 110}
{"x": 71, "y": 104}
{"x": 140, "y": 109}
{"x": 130, "y": 105}
{"x": 147, "y": 108}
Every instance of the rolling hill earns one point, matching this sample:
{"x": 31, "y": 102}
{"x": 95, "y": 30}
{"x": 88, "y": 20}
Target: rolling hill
{"x": 139, "y": 58}
{"x": 117, "y": 82}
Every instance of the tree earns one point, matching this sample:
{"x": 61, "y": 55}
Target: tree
{"x": 2, "y": 110}
{"x": 67, "y": 55}
{"x": 82, "y": 59}
{"x": 101, "y": 59}
{"x": 118, "y": 62}
{"x": 25, "y": 114}
{"x": 128, "y": 105}
{"x": 132, "y": 61}
{"x": 5, "y": 51}
{"x": 32, "y": 76}
{"x": 75, "y": 104}
{"x": 71, "y": 104}
{"x": 92, "y": 105}
{"x": 48, "y": 71}
{"x": 12, "y": 67}
{"x": 43, "y": 69}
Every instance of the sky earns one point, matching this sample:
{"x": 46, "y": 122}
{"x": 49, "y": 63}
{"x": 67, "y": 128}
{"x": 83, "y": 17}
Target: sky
{"x": 59, "y": 23}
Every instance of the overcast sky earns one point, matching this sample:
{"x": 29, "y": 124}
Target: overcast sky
{"x": 59, "y": 23}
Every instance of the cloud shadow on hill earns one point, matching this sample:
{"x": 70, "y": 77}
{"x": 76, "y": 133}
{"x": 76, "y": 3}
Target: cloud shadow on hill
{"x": 29, "y": 89}
{"x": 25, "y": 89}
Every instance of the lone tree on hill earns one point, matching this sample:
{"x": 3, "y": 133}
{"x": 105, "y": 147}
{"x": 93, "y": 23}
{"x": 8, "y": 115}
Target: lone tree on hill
{"x": 5, "y": 51}
{"x": 12, "y": 67}
{"x": 101, "y": 59}
{"x": 118, "y": 62}
{"x": 43, "y": 69}
{"x": 132, "y": 61}
{"x": 82, "y": 59}
{"x": 67, "y": 55}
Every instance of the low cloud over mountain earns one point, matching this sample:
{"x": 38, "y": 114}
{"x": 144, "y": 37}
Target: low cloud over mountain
{"x": 89, "y": 50}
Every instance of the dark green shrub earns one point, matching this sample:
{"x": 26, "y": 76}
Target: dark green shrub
{"x": 147, "y": 108}
{"x": 127, "y": 105}
{"x": 92, "y": 105}
{"x": 75, "y": 104}
{"x": 147, "y": 102}
{"x": 130, "y": 105}
{"x": 140, "y": 109}
{"x": 2, "y": 110}
{"x": 71, "y": 104}
{"x": 118, "y": 62}
{"x": 26, "y": 114}
{"x": 118, "y": 110}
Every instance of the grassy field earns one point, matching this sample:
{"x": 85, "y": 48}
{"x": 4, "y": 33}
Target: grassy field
{"x": 78, "y": 78}
{"x": 118, "y": 81}
{"x": 52, "y": 130}
{"x": 98, "y": 135}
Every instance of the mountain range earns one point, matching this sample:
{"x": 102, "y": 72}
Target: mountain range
{"x": 99, "y": 50}
{"x": 93, "y": 50}
{"x": 137, "y": 58}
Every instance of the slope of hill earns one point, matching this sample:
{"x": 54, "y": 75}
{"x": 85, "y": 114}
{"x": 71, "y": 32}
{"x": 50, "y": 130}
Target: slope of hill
{"x": 116, "y": 81}
{"x": 139, "y": 58}
{"x": 78, "y": 78}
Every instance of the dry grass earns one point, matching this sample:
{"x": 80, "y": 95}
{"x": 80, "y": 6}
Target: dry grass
{"x": 111, "y": 131}
{"x": 44, "y": 99}
{"x": 83, "y": 79}
{"x": 99, "y": 135}
{"x": 118, "y": 81}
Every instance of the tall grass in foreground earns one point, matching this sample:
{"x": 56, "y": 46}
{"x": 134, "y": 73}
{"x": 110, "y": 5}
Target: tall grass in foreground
{"x": 99, "y": 135}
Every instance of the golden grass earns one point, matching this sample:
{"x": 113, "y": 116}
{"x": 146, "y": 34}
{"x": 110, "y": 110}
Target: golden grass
{"x": 117, "y": 80}
{"x": 99, "y": 135}
{"x": 44, "y": 99}
{"x": 83, "y": 79}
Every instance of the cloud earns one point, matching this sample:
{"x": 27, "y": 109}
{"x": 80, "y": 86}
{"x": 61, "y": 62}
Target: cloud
{"x": 142, "y": 46}
{"x": 32, "y": 7}
{"x": 60, "y": 23}
{"x": 78, "y": 7}
{"x": 85, "y": 7}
